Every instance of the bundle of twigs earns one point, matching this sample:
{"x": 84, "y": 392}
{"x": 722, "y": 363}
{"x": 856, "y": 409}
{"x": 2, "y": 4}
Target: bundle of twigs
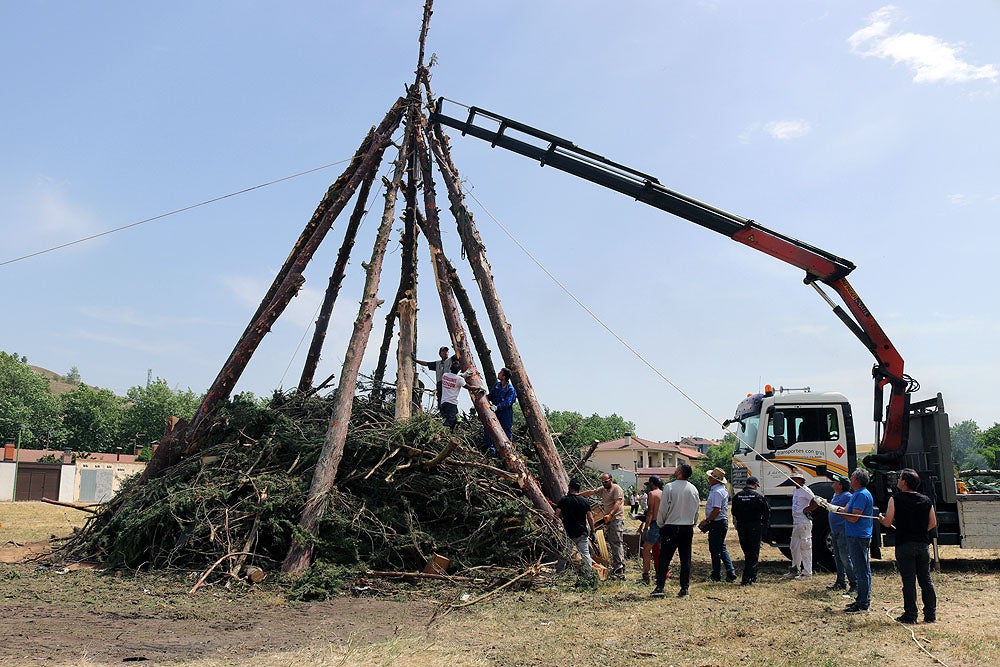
{"x": 405, "y": 491}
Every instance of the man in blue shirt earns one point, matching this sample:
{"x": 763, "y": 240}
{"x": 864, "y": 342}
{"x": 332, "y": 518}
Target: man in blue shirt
{"x": 502, "y": 397}
{"x": 716, "y": 524}
{"x": 859, "y": 516}
{"x": 838, "y": 535}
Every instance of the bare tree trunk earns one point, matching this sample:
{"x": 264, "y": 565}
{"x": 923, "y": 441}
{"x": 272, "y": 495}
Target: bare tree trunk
{"x": 475, "y": 331}
{"x": 407, "y": 280}
{"x": 404, "y": 358}
{"x": 300, "y": 555}
{"x": 333, "y": 288}
{"x": 512, "y": 460}
{"x": 554, "y": 476}
{"x": 289, "y": 279}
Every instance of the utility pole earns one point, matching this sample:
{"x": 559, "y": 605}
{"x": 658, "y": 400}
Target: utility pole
{"x": 17, "y": 460}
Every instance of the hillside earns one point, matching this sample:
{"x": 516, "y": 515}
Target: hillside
{"x": 57, "y": 383}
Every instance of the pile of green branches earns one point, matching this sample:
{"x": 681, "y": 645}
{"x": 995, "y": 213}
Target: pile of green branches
{"x": 240, "y": 496}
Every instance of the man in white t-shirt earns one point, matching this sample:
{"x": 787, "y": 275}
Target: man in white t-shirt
{"x": 451, "y": 385}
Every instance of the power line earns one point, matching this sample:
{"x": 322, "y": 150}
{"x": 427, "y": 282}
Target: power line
{"x": 174, "y": 212}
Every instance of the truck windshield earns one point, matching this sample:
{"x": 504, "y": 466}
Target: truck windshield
{"x": 747, "y": 434}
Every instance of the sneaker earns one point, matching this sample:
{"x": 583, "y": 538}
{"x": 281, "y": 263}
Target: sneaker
{"x": 682, "y": 593}
{"x": 792, "y": 575}
{"x": 908, "y": 620}
{"x": 856, "y": 610}
{"x": 730, "y": 578}
{"x": 853, "y": 590}
{"x": 836, "y": 587}
{"x": 804, "y": 576}
{"x": 710, "y": 580}
{"x": 657, "y": 593}
{"x": 645, "y": 578}
{"x": 930, "y": 619}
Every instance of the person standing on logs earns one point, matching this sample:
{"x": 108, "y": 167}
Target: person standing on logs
{"x": 440, "y": 367}
{"x": 502, "y": 397}
{"x": 451, "y": 386}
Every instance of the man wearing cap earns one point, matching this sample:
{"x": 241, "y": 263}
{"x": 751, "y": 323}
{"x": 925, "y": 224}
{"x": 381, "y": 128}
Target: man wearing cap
{"x": 676, "y": 517}
{"x": 842, "y": 559}
{"x": 650, "y": 529}
{"x": 802, "y": 525}
{"x": 716, "y": 523}
{"x": 752, "y": 515}
{"x": 439, "y": 366}
{"x": 613, "y": 502}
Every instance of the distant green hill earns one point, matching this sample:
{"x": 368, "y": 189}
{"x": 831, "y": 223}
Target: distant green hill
{"x": 57, "y": 383}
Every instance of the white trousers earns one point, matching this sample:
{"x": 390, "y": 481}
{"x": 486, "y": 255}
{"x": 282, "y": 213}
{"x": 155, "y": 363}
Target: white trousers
{"x": 802, "y": 547}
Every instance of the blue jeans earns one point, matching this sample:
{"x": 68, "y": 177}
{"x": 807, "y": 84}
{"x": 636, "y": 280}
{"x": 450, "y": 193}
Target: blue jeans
{"x": 857, "y": 549}
{"x": 845, "y": 567}
{"x": 717, "y": 548}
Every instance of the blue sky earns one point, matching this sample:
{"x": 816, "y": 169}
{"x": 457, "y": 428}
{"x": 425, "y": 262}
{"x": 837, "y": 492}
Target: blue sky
{"x": 867, "y": 129}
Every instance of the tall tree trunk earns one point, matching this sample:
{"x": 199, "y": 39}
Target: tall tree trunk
{"x": 553, "y": 473}
{"x": 404, "y": 358}
{"x": 333, "y": 287}
{"x": 363, "y": 164}
{"x": 475, "y": 331}
{"x": 512, "y": 460}
{"x": 300, "y": 555}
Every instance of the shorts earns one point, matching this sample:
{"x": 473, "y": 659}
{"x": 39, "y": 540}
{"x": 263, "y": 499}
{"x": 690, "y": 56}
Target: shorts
{"x": 652, "y": 534}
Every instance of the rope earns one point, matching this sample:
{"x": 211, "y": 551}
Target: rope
{"x": 169, "y": 213}
{"x": 628, "y": 346}
{"x": 916, "y": 641}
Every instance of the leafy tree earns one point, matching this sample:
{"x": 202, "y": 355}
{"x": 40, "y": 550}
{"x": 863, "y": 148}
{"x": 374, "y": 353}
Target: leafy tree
{"x": 73, "y": 377}
{"x": 93, "y": 419}
{"x": 147, "y": 409}
{"x": 964, "y": 445}
{"x": 25, "y": 400}
{"x": 577, "y": 432}
{"x": 989, "y": 445}
{"x": 718, "y": 456}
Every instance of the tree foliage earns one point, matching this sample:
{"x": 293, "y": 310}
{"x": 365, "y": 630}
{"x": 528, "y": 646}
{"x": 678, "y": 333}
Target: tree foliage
{"x": 148, "y": 407}
{"x": 576, "y": 432}
{"x": 965, "y": 445}
{"x": 26, "y": 404}
{"x": 989, "y": 445}
{"x": 92, "y": 419}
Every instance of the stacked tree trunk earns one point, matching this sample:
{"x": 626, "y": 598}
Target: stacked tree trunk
{"x": 421, "y": 146}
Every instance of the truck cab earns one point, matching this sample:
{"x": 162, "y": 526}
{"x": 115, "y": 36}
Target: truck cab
{"x": 778, "y": 432}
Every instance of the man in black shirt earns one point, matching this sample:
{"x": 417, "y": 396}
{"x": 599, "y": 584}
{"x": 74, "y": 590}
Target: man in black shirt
{"x": 752, "y": 515}
{"x": 914, "y": 517}
{"x": 574, "y": 510}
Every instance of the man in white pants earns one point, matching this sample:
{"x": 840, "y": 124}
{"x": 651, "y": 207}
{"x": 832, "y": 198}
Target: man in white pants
{"x": 802, "y": 541}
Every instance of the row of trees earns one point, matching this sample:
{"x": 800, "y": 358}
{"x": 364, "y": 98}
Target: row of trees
{"x": 84, "y": 419}
{"x": 972, "y": 447}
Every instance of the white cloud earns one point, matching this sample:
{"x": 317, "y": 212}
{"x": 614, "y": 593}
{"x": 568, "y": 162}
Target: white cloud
{"x": 786, "y": 130}
{"x": 932, "y": 59}
{"x": 959, "y": 199}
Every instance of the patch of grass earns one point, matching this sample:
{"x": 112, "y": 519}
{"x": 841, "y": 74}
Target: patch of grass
{"x": 33, "y": 521}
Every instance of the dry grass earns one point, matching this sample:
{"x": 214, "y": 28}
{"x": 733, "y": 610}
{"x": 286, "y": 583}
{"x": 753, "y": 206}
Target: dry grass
{"x": 776, "y": 622}
{"x": 30, "y": 521}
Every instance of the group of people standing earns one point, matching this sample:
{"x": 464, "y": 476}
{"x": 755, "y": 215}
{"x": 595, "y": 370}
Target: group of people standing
{"x": 672, "y": 514}
{"x": 451, "y": 380}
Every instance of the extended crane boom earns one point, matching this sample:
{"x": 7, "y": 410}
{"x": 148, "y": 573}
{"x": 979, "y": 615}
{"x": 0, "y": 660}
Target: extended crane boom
{"x": 819, "y": 265}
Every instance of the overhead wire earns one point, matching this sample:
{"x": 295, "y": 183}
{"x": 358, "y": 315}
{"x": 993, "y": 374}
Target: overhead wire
{"x": 173, "y": 212}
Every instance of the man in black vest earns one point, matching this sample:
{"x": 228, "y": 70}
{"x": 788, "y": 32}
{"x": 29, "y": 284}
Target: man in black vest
{"x": 752, "y": 515}
{"x": 914, "y": 517}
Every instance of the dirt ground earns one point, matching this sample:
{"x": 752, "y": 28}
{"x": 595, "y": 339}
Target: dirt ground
{"x": 56, "y": 615}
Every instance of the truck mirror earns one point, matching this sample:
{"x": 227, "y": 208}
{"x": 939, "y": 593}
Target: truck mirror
{"x": 778, "y": 424}
{"x": 779, "y": 442}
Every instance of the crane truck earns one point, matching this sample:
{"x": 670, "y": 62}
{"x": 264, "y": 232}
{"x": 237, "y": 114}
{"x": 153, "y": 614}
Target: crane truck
{"x": 785, "y": 430}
